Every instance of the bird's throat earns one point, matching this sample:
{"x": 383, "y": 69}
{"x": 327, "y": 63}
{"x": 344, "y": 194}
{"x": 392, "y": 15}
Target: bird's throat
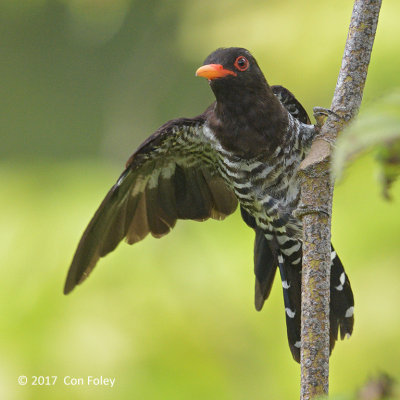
{"x": 248, "y": 124}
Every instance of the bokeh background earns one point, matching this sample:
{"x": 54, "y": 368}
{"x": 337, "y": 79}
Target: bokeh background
{"x": 83, "y": 82}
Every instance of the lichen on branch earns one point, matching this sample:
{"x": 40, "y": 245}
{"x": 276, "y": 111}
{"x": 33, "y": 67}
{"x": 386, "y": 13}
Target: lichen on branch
{"x": 316, "y": 200}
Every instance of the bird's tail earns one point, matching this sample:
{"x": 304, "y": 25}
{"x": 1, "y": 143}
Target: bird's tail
{"x": 341, "y": 302}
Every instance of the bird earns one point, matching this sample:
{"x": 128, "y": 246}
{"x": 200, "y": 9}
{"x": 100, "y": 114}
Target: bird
{"x": 244, "y": 150}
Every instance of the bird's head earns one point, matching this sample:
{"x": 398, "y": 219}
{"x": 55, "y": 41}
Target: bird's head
{"x": 232, "y": 68}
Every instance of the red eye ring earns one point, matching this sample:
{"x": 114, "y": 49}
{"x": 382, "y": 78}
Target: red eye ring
{"x": 241, "y": 63}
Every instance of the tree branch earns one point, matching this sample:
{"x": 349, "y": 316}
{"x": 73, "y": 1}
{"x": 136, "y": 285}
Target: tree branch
{"x": 316, "y": 200}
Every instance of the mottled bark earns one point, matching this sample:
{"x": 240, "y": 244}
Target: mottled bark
{"x": 316, "y": 200}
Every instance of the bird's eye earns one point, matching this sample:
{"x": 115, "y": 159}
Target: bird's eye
{"x": 241, "y": 63}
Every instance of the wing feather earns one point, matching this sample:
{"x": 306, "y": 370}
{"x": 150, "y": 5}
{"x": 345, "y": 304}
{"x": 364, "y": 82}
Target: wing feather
{"x": 139, "y": 226}
{"x": 173, "y": 175}
{"x": 224, "y": 201}
{"x": 292, "y": 105}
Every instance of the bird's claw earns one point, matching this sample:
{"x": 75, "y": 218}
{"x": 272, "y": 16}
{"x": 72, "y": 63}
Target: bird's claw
{"x": 303, "y": 210}
{"x": 320, "y": 115}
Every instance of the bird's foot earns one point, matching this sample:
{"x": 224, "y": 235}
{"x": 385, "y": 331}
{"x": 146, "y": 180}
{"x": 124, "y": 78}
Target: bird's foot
{"x": 303, "y": 210}
{"x": 321, "y": 114}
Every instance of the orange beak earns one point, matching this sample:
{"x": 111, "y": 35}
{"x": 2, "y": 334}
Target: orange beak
{"x": 214, "y": 71}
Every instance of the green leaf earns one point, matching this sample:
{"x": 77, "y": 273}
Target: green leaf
{"x": 377, "y": 128}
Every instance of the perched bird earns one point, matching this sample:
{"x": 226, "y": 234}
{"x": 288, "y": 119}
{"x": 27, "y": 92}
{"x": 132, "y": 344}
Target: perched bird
{"x": 245, "y": 148}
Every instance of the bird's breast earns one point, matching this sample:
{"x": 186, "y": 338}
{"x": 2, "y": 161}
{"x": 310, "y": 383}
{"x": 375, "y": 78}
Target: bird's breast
{"x": 267, "y": 188}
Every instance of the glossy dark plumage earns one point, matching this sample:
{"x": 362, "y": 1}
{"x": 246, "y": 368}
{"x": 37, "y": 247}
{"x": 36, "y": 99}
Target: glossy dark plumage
{"x": 245, "y": 148}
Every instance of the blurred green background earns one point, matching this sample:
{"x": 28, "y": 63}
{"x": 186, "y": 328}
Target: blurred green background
{"x": 83, "y": 82}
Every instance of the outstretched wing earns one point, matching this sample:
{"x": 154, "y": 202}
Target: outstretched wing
{"x": 173, "y": 175}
